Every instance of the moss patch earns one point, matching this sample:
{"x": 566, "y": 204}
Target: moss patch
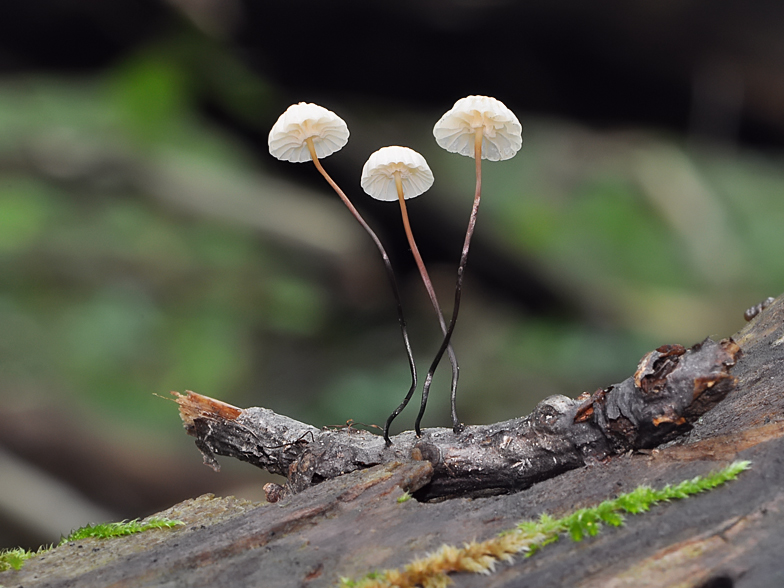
{"x": 15, "y": 558}
{"x": 528, "y": 537}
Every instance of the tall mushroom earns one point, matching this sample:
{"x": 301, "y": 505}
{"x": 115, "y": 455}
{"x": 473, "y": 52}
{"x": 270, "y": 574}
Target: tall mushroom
{"x": 400, "y": 173}
{"x": 483, "y": 128}
{"x": 308, "y": 132}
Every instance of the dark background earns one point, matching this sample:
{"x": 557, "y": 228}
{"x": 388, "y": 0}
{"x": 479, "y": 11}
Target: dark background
{"x": 148, "y": 242}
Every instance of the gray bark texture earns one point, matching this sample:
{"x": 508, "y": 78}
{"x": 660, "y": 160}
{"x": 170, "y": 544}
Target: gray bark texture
{"x": 671, "y": 388}
{"x": 683, "y": 413}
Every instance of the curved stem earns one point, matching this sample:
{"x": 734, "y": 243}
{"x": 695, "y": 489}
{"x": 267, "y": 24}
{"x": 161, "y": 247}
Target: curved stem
{"x": 433, "y": 299}
{"x": 457, "y": 426}
{"x": 392, "y": 281}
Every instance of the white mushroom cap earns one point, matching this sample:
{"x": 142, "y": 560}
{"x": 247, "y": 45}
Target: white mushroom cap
{"x": 287, "y": 139}
{"x": 378, "y": 175}
{"x": 502, "y": 133}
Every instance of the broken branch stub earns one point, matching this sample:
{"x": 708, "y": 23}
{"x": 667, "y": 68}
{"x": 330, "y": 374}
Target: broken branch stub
{"x": 671, "y": 388}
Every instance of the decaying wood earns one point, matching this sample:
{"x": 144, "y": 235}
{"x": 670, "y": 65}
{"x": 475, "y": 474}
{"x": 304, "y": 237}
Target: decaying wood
{"x": 671, "y": 388}
{"x": 731, "y": 537}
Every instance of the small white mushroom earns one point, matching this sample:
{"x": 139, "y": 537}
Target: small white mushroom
{"x": 501, "y": 132}
{"x": 400, "y": 173}
{"x": 307, "y": 132}
{"x": 379, "y": 173}
{"x": 483, "y": 128}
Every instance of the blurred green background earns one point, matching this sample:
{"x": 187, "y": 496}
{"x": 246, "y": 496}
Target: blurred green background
{"x": 148, "y": 242}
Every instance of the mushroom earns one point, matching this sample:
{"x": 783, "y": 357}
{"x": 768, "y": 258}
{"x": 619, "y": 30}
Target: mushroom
{"x": 307, "y": 132}
{"x": 480, "y": 124}
{"x": 400, "y": 173}
{"x": 483, "y": 128}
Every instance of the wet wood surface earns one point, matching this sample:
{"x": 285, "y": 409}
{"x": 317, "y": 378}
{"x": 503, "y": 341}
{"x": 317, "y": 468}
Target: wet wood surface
{"x": 351, "y": 524}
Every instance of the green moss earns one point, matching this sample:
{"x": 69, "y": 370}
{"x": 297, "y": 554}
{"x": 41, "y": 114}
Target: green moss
{"x": 586, "y": 522}
{"x": 109, "y": 530}
{"x": 405, "y": 497}
{"x": 528, "y": 537}
{"x": 15, "y": 558}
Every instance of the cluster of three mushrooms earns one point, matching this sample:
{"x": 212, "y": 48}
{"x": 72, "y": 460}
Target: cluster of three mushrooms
{"x": 477, "y": 126}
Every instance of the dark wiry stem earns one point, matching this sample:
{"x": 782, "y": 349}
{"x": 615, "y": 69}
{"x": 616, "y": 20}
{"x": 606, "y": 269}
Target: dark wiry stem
{"x": 390, "y": 274}
{"x": 457, "y": 426}
{"x": 430, "y": 292}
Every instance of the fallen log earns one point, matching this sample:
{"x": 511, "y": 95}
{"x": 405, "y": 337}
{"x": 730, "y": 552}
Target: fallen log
{"x": 671, "y": 388}
{"x": 731, "y": 537}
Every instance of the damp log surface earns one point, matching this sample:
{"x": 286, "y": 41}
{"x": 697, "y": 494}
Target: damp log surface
{"x": 352, "y": 524}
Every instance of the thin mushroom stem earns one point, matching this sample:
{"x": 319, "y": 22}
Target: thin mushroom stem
{"x": 457, "y": 426}
{"x": 390, "y": 274}
{"x": 433, "y": 299}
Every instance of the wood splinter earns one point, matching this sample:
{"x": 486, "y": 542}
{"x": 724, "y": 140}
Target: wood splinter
{"x": 671, "y": 388}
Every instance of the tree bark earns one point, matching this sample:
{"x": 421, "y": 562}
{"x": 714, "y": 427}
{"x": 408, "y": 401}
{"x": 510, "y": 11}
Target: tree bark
{"x": 671, "y": 388}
